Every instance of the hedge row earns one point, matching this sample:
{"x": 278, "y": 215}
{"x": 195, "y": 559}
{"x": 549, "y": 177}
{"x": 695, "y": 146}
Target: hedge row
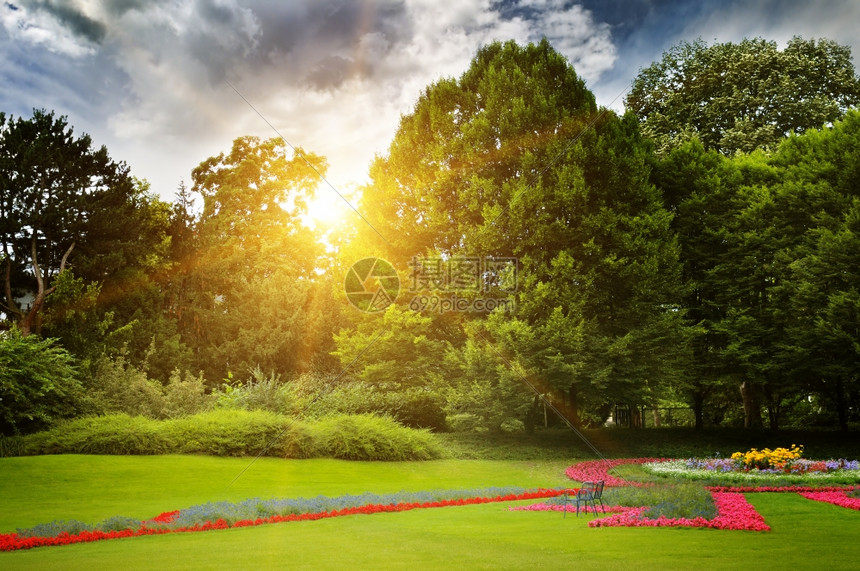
{"x": 233, "y": 433}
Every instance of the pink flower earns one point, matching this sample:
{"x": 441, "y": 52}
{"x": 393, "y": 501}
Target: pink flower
{"x": 733, "y": 512}
{"x": 837, "y": 498}
{"x": 594, "y": 470}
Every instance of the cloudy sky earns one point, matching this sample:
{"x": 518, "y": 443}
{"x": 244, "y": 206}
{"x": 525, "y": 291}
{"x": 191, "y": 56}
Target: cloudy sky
{"x": 151, "y": 79}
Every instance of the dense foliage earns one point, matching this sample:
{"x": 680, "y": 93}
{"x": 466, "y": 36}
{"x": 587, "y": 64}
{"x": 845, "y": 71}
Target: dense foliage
{"x": 39, "y": 383}
{"x": 745, "y": 96}
{"x": 698, "y": 251}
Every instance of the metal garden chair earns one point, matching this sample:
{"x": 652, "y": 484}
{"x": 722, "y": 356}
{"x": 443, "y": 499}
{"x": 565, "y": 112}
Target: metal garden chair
{"x": 591, "y": 493}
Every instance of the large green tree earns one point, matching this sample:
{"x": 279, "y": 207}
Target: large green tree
{"x": 60, "y": 200}
{"x": 739, "y": 97}
{"x": 700, "y": 188}
{"x": 820, "y": 296}
{"x": 247, "y": 290}
{"x": 470, "y": 147}
{"x": 514, "y": 159}
{"x": 757, "y": 235}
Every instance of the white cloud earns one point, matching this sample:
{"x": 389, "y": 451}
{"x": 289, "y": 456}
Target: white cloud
{"x": 43, "y": 29}
{"x": 780, "y": 21}
{"x": 331, "y": 76}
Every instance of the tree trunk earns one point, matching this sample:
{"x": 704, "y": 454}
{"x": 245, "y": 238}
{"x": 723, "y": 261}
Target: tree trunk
{"x": 752, "y": 410}
{"x": 699, "y": 409}
{"x": 573, "y": 408}
{"x": 841, "y": 407}
{"x": 10, "y": 307}
{"x": 773, "y": 417}
{"x": 30, "y": 323}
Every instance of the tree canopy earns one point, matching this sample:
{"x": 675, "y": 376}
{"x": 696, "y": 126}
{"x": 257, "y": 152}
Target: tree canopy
{"x": 60, "y": 199}
{"x": 699, "y": 250}
{"x": 744, "y": 96}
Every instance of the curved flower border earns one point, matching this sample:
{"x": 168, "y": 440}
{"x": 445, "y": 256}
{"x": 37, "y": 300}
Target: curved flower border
{"x": 593, "y": 470}
{"x": 154, "y": 526}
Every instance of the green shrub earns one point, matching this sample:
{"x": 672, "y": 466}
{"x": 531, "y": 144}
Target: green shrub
{"x": 414, "y": 407}
{"x": 227, "y": 432}
{"x": 12, "y": 446}
{"x": 38, "y": 383}
{"x": 235, "y": 433}
{"x": 259, "y": 392}
{"x": 117, "y": 386}
{"x": 418, "y": 408}
{"x": 465, "y": 422}
{"x": 300, "y": 440}
{"x": 111, "y": 434}
{"x": 369, "y": 437}
{"x": 185, "y": 396}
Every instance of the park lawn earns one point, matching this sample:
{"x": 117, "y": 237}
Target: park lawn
{"x": 40, "y": 489}
{"x": 805, "y": 534}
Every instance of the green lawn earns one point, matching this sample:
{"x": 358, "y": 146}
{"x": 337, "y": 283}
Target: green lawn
{"x": 805, "y": 534}
{"x": 39, "y": 489}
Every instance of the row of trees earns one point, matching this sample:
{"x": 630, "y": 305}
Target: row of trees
{"x": 700, "y": 249}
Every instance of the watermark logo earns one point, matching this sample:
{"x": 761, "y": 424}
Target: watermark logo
{"x": 371, "y": 284}
{"x": 437, "y": 285}
{"x": 463, "y": 284}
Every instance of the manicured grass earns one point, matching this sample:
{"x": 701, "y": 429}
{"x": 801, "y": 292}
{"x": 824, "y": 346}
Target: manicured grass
{"x": 481, "y": 537}
{"x": 40, "y": 489}
{"x": 805, "y": 534}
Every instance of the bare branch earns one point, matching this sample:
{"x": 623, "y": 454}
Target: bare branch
{"x": 40, "y": 283}
{"x": 66, "y": 257}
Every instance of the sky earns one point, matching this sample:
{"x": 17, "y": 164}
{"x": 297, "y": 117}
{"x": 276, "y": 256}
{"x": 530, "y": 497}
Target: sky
{"x": 165, "y": 84}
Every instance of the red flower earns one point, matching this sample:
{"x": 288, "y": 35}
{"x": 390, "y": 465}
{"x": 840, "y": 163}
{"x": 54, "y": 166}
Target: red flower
{"x": 838, "y": 498}
{"x": 733, "y": 512}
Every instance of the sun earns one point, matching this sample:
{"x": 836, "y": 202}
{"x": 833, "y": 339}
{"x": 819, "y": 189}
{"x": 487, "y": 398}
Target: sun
{"x": 326, "y": 210}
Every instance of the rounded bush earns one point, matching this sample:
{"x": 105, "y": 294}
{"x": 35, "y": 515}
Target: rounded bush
{"x": 370, "y": 437}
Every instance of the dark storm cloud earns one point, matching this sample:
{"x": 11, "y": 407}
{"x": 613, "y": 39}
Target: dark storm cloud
{"x": 221, "y": 37}
{"x": 120, "y": 7}
{"x": 69, "y": 16}
{"x": 323, "y": 43}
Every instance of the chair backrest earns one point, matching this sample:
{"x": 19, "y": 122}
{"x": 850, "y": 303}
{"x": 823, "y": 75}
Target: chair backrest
{"x": 598, "y": 489}
{"x": 589, "y": 490}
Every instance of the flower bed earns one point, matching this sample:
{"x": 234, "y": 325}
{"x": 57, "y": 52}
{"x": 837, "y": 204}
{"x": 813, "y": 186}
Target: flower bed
{"x": 838, "y": 498}
{"x": 733, "y": 512}
{"x": 803, "y": 472}
{"x": 780, "y": 465}
{"x": 593, "y": 470}
{"x": 203, "y": 518}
